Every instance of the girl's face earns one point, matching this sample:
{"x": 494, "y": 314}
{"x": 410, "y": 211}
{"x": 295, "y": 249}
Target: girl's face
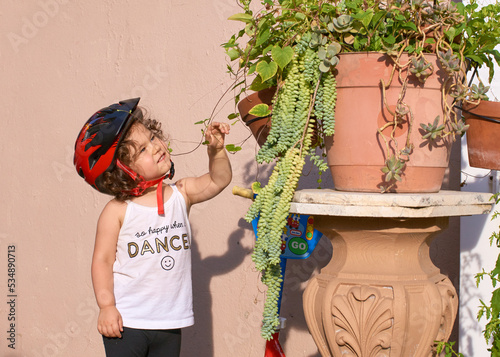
{"x": 150, "y": 155}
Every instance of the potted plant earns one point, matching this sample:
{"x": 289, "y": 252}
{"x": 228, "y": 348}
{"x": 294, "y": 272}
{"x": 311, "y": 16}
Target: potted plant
{"x": 483, "y": 122}
{"x": 304, "y": 49}
{"x": 481, "y": 115}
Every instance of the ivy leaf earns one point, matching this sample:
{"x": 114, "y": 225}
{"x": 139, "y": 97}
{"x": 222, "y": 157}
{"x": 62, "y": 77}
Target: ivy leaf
{"x": 250, "y": 29}
{"x": 233, "y": 54}
{"x": 282, "y": 56}
{"x": 251, "y": 69}
{"x": 241, "y": 17}
{"x": 451, "y": 33}
{"x": 400, "y": 17}
{"x": 476, "y": 59}
{"x": 300, "y": 16}
{"x": 266, "y": 50}
{"x": 378, "y": 15}
{"x": 390, "y": 39}
{"x": 411, "y": 26}
{"x": 257, "y": 84}
{"x": 260, "y": 110}
{"x": 266, "y": 70}
{"x": 410, "y": 48}
{"x": 367, "y": 17}
{"x": 262, "y": 37}
{"x": 233, "y": 148}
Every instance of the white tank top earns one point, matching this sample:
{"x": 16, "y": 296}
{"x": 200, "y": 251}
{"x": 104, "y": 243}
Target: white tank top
{"x": 152, "y": 271}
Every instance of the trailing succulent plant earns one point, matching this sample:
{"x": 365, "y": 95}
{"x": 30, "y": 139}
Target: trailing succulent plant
{"x": 310, "y": 88}
{"x": 293, "y": 45}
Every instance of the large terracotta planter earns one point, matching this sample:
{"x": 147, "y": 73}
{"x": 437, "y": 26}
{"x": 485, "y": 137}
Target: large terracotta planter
{"x": 356, "y": 152}
{"x": 483, "y": 134}
{"x": 259, "y": 126}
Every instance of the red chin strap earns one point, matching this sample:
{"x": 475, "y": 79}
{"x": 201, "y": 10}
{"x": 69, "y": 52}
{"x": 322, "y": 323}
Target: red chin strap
{"x": 143, "y": 184}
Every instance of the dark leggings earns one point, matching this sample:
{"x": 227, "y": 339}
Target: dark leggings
{"x": 144, "y": 343}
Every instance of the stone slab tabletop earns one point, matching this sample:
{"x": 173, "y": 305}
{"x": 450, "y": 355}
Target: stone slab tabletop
{"x": 392, "y": 205}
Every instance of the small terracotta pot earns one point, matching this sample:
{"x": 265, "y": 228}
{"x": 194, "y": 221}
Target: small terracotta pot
{"x": 259, "y": 126}
{"x": 483, "y": 134}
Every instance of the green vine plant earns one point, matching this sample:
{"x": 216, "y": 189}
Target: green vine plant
{"x": 491, "y": 311}
{"x": 293, "y": 45}
{"x": 447, "y": 349}
{"x": 310, "y": 88}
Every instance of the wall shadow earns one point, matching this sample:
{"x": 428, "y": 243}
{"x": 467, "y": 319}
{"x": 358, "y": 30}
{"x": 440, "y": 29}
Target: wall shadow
{"x": 298, "y": 273}
{"x": 198, "y": 339}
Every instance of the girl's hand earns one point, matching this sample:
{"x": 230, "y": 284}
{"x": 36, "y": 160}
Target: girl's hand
{"x": 204, "y": 187}
{"x": 109, "y": 322}
{"x": 215, "y": 133}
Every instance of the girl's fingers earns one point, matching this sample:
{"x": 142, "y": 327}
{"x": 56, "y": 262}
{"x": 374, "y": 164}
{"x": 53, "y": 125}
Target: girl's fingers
{"x": 221, "y": 127}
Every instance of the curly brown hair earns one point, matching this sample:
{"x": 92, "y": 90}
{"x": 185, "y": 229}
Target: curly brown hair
{"x": 116, "y": 181}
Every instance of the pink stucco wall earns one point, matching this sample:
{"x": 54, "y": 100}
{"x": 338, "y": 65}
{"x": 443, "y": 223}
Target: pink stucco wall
{"x": 60, "y": 61}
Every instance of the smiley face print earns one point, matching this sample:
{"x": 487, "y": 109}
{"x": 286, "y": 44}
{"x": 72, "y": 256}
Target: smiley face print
{"x": 167, "y": 262}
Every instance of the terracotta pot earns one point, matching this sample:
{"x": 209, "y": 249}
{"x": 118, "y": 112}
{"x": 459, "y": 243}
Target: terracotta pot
{"x": 259, "y": 126}
{"x": 483, "y": 134}
{"x": 357, "y": 152}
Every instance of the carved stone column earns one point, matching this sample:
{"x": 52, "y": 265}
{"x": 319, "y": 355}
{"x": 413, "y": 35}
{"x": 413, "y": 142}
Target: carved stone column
{"x": 381, "y": 295}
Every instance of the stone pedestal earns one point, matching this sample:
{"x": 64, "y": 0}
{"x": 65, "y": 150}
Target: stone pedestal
{"x": 381, "y": 295}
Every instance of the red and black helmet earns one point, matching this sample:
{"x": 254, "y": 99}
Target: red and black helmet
{"x": 95, "y": 147}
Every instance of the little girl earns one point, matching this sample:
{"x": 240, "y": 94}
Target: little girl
{"x": 141, "y": 267}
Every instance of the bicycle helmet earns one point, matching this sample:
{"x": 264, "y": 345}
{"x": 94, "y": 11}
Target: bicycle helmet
{"x": 95, "y": 149}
